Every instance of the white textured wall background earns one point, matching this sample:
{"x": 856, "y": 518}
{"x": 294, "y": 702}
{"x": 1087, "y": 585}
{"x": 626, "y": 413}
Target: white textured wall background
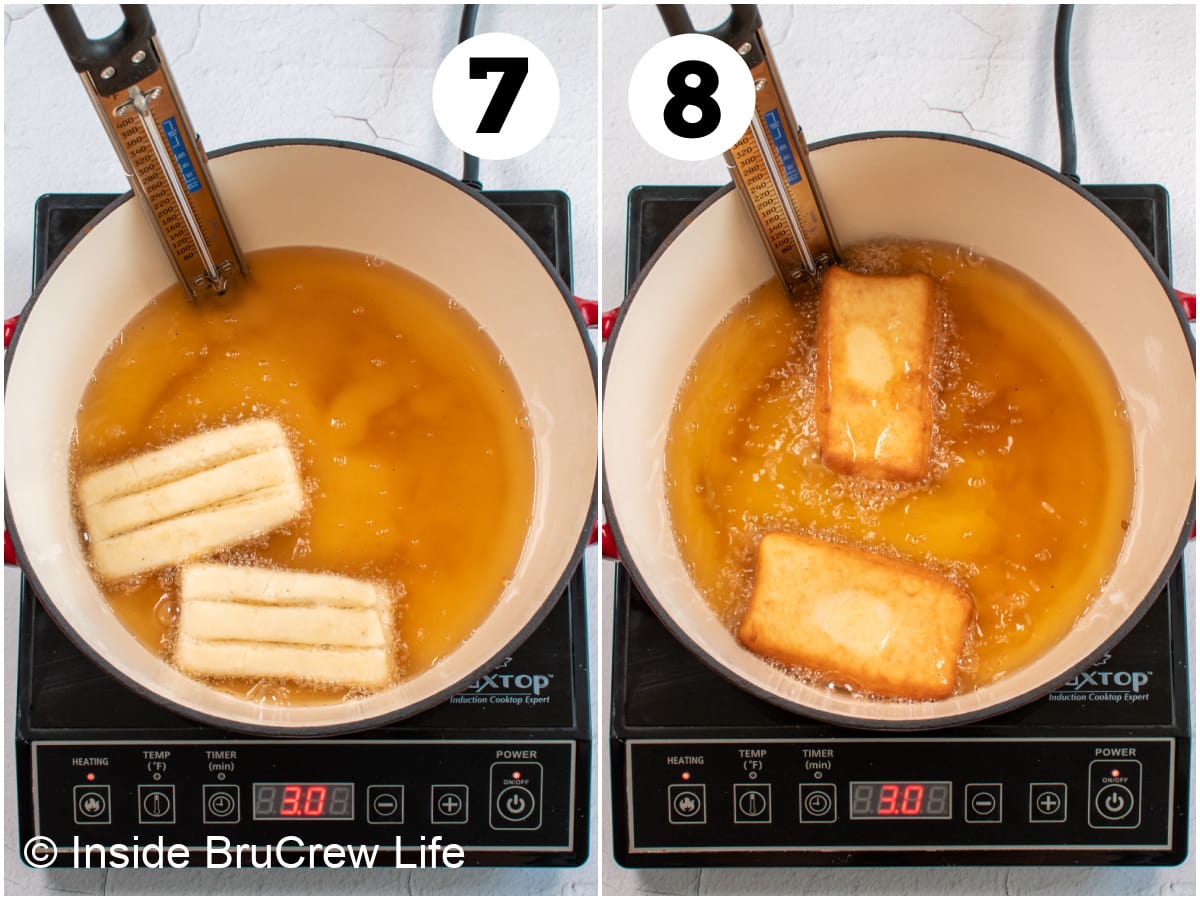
{"x": 358, "y": 73}
{"x": 979, "y": 71}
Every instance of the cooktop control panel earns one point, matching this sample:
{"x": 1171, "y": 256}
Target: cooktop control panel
{"x": 483, "y": 796}
{"x": 924, "y": 794}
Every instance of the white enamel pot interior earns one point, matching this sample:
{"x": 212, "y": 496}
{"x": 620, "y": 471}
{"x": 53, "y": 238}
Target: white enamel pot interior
{"x": 312, "y": 194}
{"x": 924, "y": 187}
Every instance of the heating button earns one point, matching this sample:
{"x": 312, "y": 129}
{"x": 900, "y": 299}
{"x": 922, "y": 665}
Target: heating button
{"x": 686, "y": 804}
{"x": 93, "y": 804}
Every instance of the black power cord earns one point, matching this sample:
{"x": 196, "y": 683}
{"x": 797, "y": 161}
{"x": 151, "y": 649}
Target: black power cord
{"x": 466, "y": 29}
{"x": 1062, "y": 91}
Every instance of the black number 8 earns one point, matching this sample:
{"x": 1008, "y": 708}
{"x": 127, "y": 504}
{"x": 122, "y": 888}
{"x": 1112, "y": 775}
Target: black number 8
{"x": 700, "y": 96}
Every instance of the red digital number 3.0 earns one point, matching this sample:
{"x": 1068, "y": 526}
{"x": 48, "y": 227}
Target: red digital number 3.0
{"x": 314, "y": 800}
{"x": 888, "y": 795}
{"x": 291, "y": 801}
{"x": 910, "y": 803}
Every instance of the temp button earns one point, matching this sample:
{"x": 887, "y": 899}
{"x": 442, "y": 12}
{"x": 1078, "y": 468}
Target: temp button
{"x": 156, "y": 804}
{"x": 751, "y": 803}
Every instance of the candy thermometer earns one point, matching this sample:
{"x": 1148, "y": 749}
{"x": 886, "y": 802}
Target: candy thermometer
{"x": 770, "y": 162}
{"x": 127, "y": 78}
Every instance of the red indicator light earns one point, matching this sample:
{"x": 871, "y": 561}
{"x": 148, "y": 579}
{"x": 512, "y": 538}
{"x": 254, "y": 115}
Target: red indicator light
{"x": 1116, "y": 773}
{"x": 686, "y": 776}
{"x": 91, "y": 776}
{"x": 516, "y": 776}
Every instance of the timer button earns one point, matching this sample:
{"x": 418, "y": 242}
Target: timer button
{"x": 984, "y": 803}
{"x": 93, "y": 804}
{"x": 221, "y": 803}
{"x": 818, "y": 803}
{"x": 385, "y": 804}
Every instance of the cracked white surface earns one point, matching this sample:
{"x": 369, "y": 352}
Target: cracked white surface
{"x": 980, "y": 71}
{"x": 254, "y": 72}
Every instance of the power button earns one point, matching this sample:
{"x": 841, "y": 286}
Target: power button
{"x": 1114, "y": 793}
{"x": 516, "y": 792}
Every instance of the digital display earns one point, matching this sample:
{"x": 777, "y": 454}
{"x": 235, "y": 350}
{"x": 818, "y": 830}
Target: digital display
{"x": 900, "y": 799}
{"x": 283, "y": 800}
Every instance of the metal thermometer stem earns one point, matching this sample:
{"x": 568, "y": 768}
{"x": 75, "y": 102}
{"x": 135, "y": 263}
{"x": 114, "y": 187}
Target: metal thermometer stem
{"x": 141, "y": 105}
{"x": 130, "y": 85}
{"x": 760, "y": 138}
{"x": 772, "y": 171}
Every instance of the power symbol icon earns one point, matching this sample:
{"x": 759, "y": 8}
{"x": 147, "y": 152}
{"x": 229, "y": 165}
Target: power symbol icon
{"x": 515, "y": 803}
{"x": 1114, "y": 801}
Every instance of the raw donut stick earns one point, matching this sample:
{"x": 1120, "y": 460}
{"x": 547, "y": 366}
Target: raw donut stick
{"x": 881, "y": 625}
{"x": 247, "y": 622}
{"x": 190, "y": 498}
{"x": 874, "y": 359}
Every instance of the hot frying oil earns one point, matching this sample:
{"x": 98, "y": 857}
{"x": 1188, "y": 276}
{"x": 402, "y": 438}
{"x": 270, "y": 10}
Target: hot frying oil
{"x": 409, "y": 430}
{"x": 1032, "y": 477}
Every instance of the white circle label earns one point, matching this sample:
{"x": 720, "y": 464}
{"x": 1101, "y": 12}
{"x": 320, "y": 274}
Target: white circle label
{"x": 495, "y": 96}
{"x": 691, "y": 97}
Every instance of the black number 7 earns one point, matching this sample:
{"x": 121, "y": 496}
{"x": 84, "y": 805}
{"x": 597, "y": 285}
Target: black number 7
{"x": 513, "y": 70}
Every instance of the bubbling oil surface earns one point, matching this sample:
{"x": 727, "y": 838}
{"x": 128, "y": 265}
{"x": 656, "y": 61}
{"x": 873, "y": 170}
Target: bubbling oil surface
{"x": 1031, "y": 486}
{"x": 409, "y": 429}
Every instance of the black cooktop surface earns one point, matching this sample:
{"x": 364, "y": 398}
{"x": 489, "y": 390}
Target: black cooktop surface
{"x": 61, "y": 689}
{"x": 501, "y": 770}
{"x": 703, "y": 773}
{"x": 662, "y": 684}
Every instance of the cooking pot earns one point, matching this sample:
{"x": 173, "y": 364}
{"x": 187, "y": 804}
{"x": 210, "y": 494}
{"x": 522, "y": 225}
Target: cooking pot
{"x": 918, "y": 186}
{"x": 355, "y": 198}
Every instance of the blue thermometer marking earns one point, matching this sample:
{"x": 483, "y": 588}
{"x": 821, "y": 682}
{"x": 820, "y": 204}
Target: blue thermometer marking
{"x": 175, "y": 142}
{"x": 779, "y": 138}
